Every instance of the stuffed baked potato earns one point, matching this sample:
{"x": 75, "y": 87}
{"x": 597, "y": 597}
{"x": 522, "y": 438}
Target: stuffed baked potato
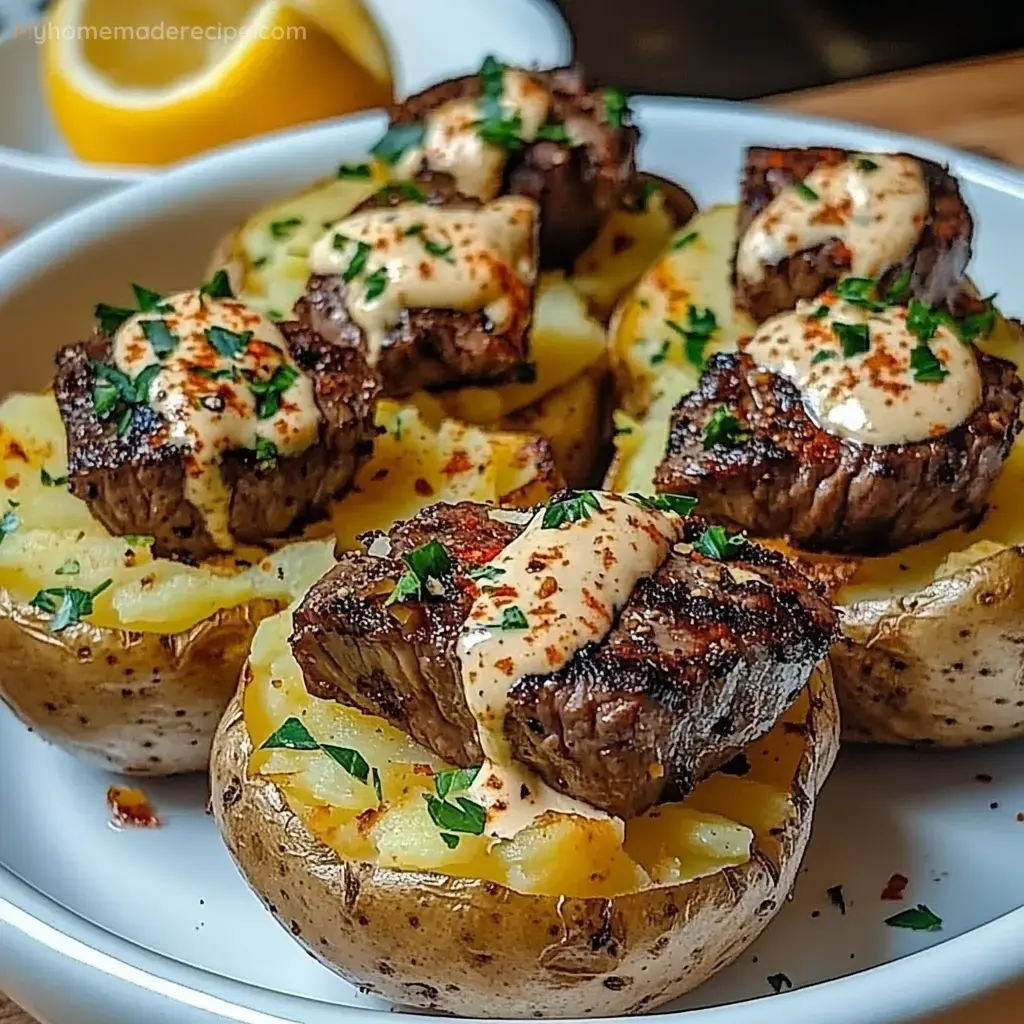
{"x": 932, "y": 641}
{"x": 565, "y": 920}
{"x": 128, "y": 659}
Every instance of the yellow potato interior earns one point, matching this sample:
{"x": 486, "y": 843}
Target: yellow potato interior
{"x": 57, "y": 543}
{"x": 714, "y": 828}
{"x": 699, "y": 273}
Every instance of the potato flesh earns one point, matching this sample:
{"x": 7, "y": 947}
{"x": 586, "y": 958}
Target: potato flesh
{"x": 699, "y": 273}
{"x": 415, "y": 464}
{"x": 713, "y": 829}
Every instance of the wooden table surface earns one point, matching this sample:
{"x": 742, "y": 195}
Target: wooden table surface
{"x": 978, "y": 105}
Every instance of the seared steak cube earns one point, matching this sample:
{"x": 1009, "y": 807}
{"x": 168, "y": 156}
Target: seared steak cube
{"x": 704, "y": 658}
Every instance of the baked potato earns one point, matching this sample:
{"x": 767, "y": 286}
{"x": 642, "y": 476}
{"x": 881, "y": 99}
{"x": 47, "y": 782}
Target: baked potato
{"x": 267, "y": 261}
{"x": 129, "y": 660}
{"x": 570, "y": 918}
{"x": 932, "y": 649}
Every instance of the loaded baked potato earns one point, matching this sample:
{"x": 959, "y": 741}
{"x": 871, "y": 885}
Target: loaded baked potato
{"x": 931, "y": 646}
{"x": 367, "y": 845}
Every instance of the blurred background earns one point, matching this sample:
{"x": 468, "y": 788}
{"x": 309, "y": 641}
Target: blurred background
{"x": 739, "y": 49}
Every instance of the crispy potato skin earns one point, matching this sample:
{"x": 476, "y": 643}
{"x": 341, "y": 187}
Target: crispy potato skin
{"x": 475, "y": 948}
{"x": 944, "y": 665}
{"x": 131, "y": 702}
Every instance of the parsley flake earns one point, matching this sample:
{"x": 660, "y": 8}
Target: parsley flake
{"x": 377, "y": 283}
{"x": 504, "y": 131}
{"x": 290, "y": 735}
{"x": 512, "y": 617}
{"x": 219, "y": 286}
{"x": 283, "y": 229}
{"x": 922, "y": 320}
{"x": 430, "y": 561}
{"x": 377, "y": 787}
{"x": 397, "y": 140}
{"x": 9, "y": 522}
{"x": 716, "y": 543}
{"x": 51, "y": 481}
{"x": 266, "y": 453}
{"x": 461, "y": 816}
{"x": 976, "y": 325}
{"x": 662, "y": 354}
{"x": 701, "y": 325}
{"x": 351, "y": 760}
{"x": 67, "y": 605}
{"x": 443, "y": 252}
{"x": 148, "y": 299}
{"x": 918, "y": 919}
{"x": 638, "y": 202}
{"x": 72, "y": 567}
{"x": 229, "y": 344}
{"x": 926, "y": 365}
{"x": 358, "y": 261}
{"x": 570, "y": 510}
{"x": 553, "y": 133}
{"x": 819, "y": 314}
{"x": 724, "y": 429}
{"x": 356, "y": 171}
{"x": 859, "y": 291}
{"x": 805, "y": 192}
{"x": 455, "y": 780}
{"x": 268, "y": 392}
{"x": 113, "y": 390}
{"x": 139, "y": 540}
{"x": 897, "y": 287}
{"x": 855, "y": 338}
{"x": 159, "y": 334}
{"x": 688, "y": 239}
{"x": 823, "y": 355}
{"x": 111, "y": 317}
{"x": 616, "y": 105}
{"x": 485, "y": 572}
{"x": 864, "y": 164}
{"x": 681, "y": 504}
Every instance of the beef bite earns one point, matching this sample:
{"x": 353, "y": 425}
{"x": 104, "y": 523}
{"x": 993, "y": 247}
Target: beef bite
{"x": 542, "y": 134}
{"x": 200, "y": 423}
{"x": 435, "y": 288}
{"x": 746, "y": 445}
{"x": 809, "y": 217}
{"x": 703, "y": 658}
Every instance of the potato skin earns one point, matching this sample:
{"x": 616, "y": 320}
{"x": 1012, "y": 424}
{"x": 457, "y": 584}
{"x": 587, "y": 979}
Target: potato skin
{"x": 944, "y": 665}
{"x": 505, "y": 954}
{"x": 130, "y": 702}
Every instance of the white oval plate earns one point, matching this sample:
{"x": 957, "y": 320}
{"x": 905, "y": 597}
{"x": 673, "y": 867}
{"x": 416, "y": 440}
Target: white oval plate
{"x": 100, "y": 927}
{"x": 431, "y": 40}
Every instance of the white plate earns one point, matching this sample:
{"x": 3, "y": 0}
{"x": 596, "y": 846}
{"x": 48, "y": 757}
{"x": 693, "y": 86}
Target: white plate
{"x": 98, "y": 927}
{"x": 431, "y": 40}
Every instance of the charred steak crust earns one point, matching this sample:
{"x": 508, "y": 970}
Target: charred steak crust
{"x": 136, "y": 485}
{"x": 937, "y": 264}
{"x": 430, "y": 348}
{"x": 793, "y": 478}
{"x": 578, "y": 187}
{"x": 698, "y": 665}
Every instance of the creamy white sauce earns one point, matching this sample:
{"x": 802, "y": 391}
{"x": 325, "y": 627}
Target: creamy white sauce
{"x": 876, "y": 213}
{"x": 452, "y": 143}
{"x": 214, "y": 410}
{"x": 871, "y": 397}
{"x": 435, "y": 258}
{"x": 570, "y": 583}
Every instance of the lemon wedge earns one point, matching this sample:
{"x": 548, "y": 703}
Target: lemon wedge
{"x": 154, "y": 81}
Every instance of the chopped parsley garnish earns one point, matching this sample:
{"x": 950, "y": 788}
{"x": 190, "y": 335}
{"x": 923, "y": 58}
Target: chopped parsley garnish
{"x": 358, "y": 261}
{"x": 355, "y": 171}
{"x": 823, "y": 355}
{"x": 701, "y": 324}
{"x": 208, "y": 374}
{"x": 616, "y": 103}
{"x": 805, "y": 192}
{"x": 396, "y": 140}
{"x": 976, "y": 325}
{"x": 638, "y": 203}
{"x": 67, "y": 605}
{"x": 552, "y": 133}
{"x": 724, "y": 429}
{"x": 855, "y": 338}
{"x": 139, "y": 540}
{"x": 268, "y": 392}
{"x": 864, "y": 164}
{"x": 72, "y": 567}
{"x": 716, "y": 543}
{"x": 926, "y": 365}
{"x": 492, "y": 80}
{"x": 819, "y": 314}
{"x": 229, "y": 344}
{"x": 918, "y": 919}
{"x": 495, "y": 126}
{"x": 570, "y": 510}
{"x": 219, "y": 286}
{"x": 461, "y": 816}
{"x": 148, "y": 299}
{"x": 293, "y": 735}
{"x": 922, "y": 320}
{"x": 275, "y": 314}
{"x": 377, "y": 787}
{"x": 504, "y": 131}
{"x": 9, "y": 522}
{"x": 443, "y": 252}
{"x": 688, "y": 239}
{"x": 456, "y": 780}
{"x": 414, "y": 229}
{"x": 485, "y": 572}
{"x": 449, "y": 840}
{"x": 111, "y": 317}
{"x": 266, "y": 452}
{"x": 512, "y": 617}
{"x": 430, "y": 561}
{"x": 51, "y": 481}
{"x": 681, "y": 504}
{"x": 403, "y": 189}
{"x": 859, "y": 291}
{"x": 159, "y": 334}
{"x": 897, "y": 286}
{"x": 282, "y": 229}
{"x": 376, "y": 283}
{"x": 113, "y": 390}
{"x": 662, "y": 354}
{"x": 260, "y": 261}
{"x": 779, "y": 982}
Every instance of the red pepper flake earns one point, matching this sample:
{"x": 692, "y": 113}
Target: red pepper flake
{"x": 506, "y": 665}
{"x": 553, "y": 654}
{"x": 381, "y": 473}
{"x": 423, "y": 488}
{"x": 11, "y": 482}
{"x": 458, "y": 463}
{"x": 130, "y": 808}
{"x": 422, "y": 769}
{"x": 548, "y": 586}
{"x": 366, "y": 820}
{"x": 895, "y": 888}
{"x": 15, "y": 451}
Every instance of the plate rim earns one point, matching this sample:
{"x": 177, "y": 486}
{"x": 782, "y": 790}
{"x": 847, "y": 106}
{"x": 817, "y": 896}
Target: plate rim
{"x": 930, "y": 979}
